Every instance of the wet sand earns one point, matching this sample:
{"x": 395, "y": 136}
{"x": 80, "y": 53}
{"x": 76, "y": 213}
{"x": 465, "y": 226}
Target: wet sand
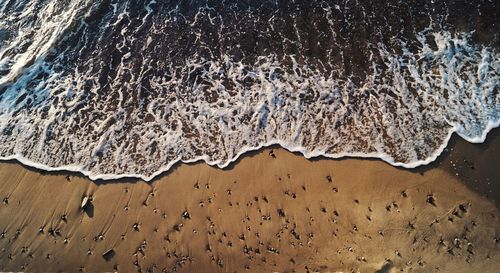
{"x": 272, "y": 211}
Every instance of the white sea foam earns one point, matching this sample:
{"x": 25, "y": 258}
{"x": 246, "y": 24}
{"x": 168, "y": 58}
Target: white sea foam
{"x": 404, "y": 112}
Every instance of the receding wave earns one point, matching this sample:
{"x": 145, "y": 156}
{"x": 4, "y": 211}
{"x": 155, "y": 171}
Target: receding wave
{"x": 128, "y": 88}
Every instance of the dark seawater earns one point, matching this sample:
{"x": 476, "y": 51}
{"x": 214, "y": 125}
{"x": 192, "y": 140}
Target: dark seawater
{"x": 128, "y": 88}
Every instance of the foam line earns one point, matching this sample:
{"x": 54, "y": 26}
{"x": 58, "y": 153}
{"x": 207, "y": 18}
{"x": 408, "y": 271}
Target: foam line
{"x": 306, "y": 154}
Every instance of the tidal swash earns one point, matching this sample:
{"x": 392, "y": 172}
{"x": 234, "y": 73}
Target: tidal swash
{"x": 129, "y": 88}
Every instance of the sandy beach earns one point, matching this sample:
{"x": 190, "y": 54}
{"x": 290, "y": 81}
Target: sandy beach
{"x": 98, "y": 98}
{"x": 272, "y": 211}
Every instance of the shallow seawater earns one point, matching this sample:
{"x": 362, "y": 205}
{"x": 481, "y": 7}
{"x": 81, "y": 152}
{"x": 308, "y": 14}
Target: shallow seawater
{"x": 128, "y": 88}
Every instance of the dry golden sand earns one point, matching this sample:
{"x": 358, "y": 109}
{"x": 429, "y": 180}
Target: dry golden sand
{"x": 273, "y": 211}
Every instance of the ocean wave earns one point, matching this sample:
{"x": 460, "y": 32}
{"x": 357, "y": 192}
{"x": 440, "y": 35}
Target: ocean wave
{"x": 126, "y": 89}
